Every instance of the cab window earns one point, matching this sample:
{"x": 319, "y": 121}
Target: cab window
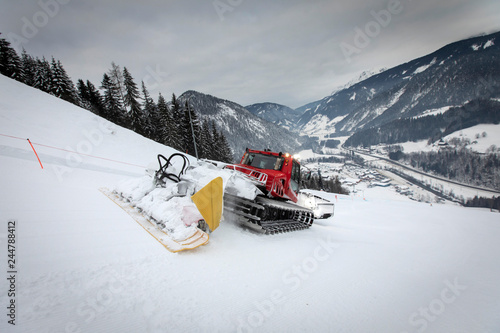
{"x": 262, "y": 161}
{"x": 295, "y": 176}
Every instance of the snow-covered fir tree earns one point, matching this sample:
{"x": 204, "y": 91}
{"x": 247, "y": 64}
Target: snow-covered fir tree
{"x": 131, "y": 99}
{"x": 10, "y": 62}
{"x": 168, "y": 128}
{"x": 116, "y": 77}
{"x": 61, "y": 85}
{"x": 28, "y": 64}
{"x": 83, "y": 94}
{"x": 151, "y": 118}
{"x": 43, "y": 75}
{"x": 90, "y": 97}
{"x": 177, "y": 117}
{"x": 206, "y": 143}
{"x": 95, "y": 98}
{"x": 111, "y": 101}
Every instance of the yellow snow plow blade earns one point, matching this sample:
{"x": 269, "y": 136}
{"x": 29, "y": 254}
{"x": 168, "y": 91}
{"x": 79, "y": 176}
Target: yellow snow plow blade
{"x": 197, "y": 239}
{"x": 208, "y": 200}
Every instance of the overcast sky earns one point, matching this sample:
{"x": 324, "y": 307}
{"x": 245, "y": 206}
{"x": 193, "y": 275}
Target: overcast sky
{"x": 290, "y": 52}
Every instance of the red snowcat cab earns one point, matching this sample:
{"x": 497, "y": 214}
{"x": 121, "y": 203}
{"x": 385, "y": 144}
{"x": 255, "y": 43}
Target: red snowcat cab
{"x": 277, "y": 175}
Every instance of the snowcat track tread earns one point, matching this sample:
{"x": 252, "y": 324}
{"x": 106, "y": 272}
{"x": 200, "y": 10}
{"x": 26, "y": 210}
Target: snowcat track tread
{"x": 269, "y": 216}
{"x": 197, "y": 239}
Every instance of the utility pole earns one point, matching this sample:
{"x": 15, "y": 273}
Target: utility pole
{"x": 192, "y": 131}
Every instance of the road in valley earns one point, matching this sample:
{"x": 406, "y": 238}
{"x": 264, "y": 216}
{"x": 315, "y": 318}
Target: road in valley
{"x": 426, "y": 174}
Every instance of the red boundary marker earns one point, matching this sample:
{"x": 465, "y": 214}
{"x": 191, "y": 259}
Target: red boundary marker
{"x": 69, "y": 151}
{"x": 35, "y": 153}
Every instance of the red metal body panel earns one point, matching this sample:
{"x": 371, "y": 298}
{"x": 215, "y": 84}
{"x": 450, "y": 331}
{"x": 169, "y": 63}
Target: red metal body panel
{"x": 272, "y": 170}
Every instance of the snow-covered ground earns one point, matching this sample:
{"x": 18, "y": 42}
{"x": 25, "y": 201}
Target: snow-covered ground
{"x": 324, "y": 151}
{"x": 433, "y": 112}
{"x": 482, "y": 137}
{"x": 383, "y": 263}
{"x": 412, "y": 147}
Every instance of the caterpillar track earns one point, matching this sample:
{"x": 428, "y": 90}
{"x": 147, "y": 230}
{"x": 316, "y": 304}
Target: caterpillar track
{"x": 269, "y": 216}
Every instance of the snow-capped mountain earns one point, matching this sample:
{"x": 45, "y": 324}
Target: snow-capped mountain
{"x": 276, "y": 113}
{"x": 365, "y": 75}
{"x": 242, "y": 128}
{"x": 452, "y": 76}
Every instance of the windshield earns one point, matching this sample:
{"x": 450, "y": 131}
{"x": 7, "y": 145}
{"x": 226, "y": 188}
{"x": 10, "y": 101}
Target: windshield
{"x": 262, "y": 161}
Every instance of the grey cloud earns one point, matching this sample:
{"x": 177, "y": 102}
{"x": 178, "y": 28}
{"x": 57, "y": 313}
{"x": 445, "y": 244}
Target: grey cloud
{"x": 285, "y": 51}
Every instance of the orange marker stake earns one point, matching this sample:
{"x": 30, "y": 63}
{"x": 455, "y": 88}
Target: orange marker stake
{"x": 35, "y": 153}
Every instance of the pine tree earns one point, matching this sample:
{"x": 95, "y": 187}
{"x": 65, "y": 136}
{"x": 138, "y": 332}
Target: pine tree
{"x": 83, "y": 94}
{"x": 215, "y": 152}
{"x": 111, "y": 103}
{"x": 57, "y": 83}
{"x": 177, "y": 113}
{"x": 131, "y": 99}
{"x": 165, "y": 125}
{"x": 226, "y": 152}
{"x": 116, "y": 77}
{"x": 61, "y": 85}
{"x": 177, "y": 128}
{"x": 70, "y": 94}
{"x": 218, "y": 148}
{"x": 151, "y": 116}
{"x": 206, "y": 143}
{"x": 95, "y": 99}
{"x": 43, "y": 76}
{"x": 10, "y": 63}
{"x": 90, "y": 97}
{"x": 28, "y": 64}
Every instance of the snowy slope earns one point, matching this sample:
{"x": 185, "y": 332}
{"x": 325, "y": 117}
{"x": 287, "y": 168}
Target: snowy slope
{"x": 480, "y": 138}
{"x": 382, "y": 264}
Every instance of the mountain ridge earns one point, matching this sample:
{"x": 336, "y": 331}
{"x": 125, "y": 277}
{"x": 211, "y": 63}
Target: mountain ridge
{"x": 241, "y": 127}
{"x": 278, "y": 114}
{"x": 451, "y": 76}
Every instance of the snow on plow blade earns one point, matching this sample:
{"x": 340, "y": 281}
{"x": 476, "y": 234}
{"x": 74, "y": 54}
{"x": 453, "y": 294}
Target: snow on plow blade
{"x": 196, "y": 239}
{"x": 208, "y": 200}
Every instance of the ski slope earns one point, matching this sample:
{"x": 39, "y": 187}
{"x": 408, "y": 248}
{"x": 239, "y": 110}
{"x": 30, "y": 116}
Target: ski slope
{"x": 382, "y": 264}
